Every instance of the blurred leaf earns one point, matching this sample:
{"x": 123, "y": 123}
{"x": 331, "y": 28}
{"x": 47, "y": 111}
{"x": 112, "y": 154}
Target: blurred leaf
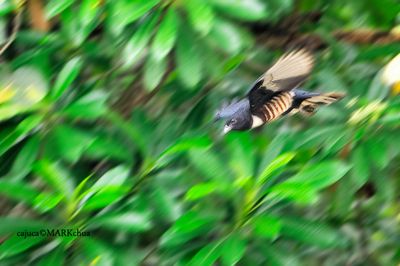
{"x": 361, "y": 166}
{"x": 274, "y": 148}
{"x": 312, "y": 233}
{"x": 20, "y": 132}
{"x": 242, "y": 157}
{"x": 25, "y": 159}
{"x": 53, "y": 8}
{"x": 11, "y": 225}
{"x": 135, "y": 47}
{"x": 189, "y": 62}
{"x": 45, "y": 202}
{"x": 109, "y": 147}
{"x": 125, "y": 11}
{"x": 127, "y": 221}
{"x": 166, "y": 35}
{"x": 8, "y": 111}
{"x": 18, "y": 191}
{"x": 232, "y": 249}
{"x": 97, "y": 252}
{"x": 377, "y": 90}
{"x": 320, "y": 175}
{"x": 114, "y": 177}
{"x": 166, "y": 204}
{"x": 208, "y": 164}
{"x": 53, "y": 258}
{"x": 70, "y": 142}
{"x": 249, "y": 10}
{"x": 276, "y": 164}
{"x": 65, "y": 78}
{"x": 228, "y": 37}
{"x": 200, "y": 15}
{"x": 378, "y": 152}
{"x": 266, "y": 226}
{"x": 201, "y": 190}
{"x": 300, "y": 193}
{"x": 103, "y": 198}
{"x": 188, "y": 226}
{"x": 90, "y": 106}
{"x": 154, "y": 70}
{"x": 184, "y": 144}
{"x": 88, "y": 14}
{"x": 207, "y": 255}
{"x": 55, "y": 176}
{"x": 15, "y": 245}
{"x": 276, "y": 257}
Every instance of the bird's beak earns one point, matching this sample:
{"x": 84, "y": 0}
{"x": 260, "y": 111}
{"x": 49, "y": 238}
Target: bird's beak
{"x": 227, "y": 129}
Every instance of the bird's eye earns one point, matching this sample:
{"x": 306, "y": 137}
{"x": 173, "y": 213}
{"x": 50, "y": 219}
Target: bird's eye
{"x": 233, "y": 121}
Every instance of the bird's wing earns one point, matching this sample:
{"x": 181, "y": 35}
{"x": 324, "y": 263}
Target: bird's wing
{"x": 286, "y": 74}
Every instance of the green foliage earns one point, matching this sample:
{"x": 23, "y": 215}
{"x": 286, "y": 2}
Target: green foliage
{"x": 106, "y": 128}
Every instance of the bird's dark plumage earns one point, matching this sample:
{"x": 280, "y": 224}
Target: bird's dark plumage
{"x": 274, "y": 94}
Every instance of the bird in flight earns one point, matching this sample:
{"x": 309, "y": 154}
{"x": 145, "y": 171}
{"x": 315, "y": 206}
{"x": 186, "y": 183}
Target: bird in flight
{"x": 276, "y": 94}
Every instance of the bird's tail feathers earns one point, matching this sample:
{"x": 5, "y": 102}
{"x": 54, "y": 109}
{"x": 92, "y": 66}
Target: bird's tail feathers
{"x": 310, "y": 105}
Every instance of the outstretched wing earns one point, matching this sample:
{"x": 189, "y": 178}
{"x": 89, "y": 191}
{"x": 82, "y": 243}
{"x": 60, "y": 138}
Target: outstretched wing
{"x": 286, "y": 74}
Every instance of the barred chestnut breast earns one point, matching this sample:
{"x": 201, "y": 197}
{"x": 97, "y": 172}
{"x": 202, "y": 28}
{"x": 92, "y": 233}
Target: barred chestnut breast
{"x": 274, "y": 108}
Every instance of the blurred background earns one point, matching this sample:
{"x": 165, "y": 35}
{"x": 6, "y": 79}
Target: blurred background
{"x": 106, "y": 112}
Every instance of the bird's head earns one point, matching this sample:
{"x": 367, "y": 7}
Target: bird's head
{"x": 240, "y": 121}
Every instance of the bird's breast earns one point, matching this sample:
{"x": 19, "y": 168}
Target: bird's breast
{"x": 273, "y": 108}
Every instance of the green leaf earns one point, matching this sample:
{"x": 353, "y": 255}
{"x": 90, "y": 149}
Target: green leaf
{"x": 320, "y": 175}
{"x": 166, "y": 35}
{"x": 154, "y": 70}
{"x": 209, "y": 164}
{"x": 89, "y": 107}
{"x": 25, "y": 159}
{"x": 266, "y": 226}
{"x": 189, "y": 62}
{"x": 273, "y": 150}
{"x": 18, "y": 191}
{"x": 242, "y": 158}
{"x": 249, "y": 10}
{"x": 70, "y": 142}
{"x": 103, "y": 198}
{"x": 185, "y": 144}
{"x": 53, "y": 8}
{"x": 201, "y": 15}
{"x": 228, "y": 37}
{"x": 279, "y": 257}
{"x": 134, "y": 49}
{"x": 55, "y": 176}
{"x": 276, "y": 164}
{"x": 54, "y": 258}
{"x": 232, "y": 249}
{"x": 312, "y": 233}
{"x": 16, "y": 245}
{"x": 127, "y": 221}
{"x": 8, "y": 111}
{"x": 109, "y": 147}
{"x": 20, "y": 132}
{"x": 11, "y": 225}
{"x": 114, "y": 177}
{"x": 65, "y": 78}
{"x": 361, "y": 165}
{"x": 45, "y": 202}
{"x": 125, "y": 12}
{"x": 207, "y": 255}
{"x": 201, "y": 190}
{"x": 377, "y": 90}
{"x": 300, "y": 193}
{"x": 187, "y": 227}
